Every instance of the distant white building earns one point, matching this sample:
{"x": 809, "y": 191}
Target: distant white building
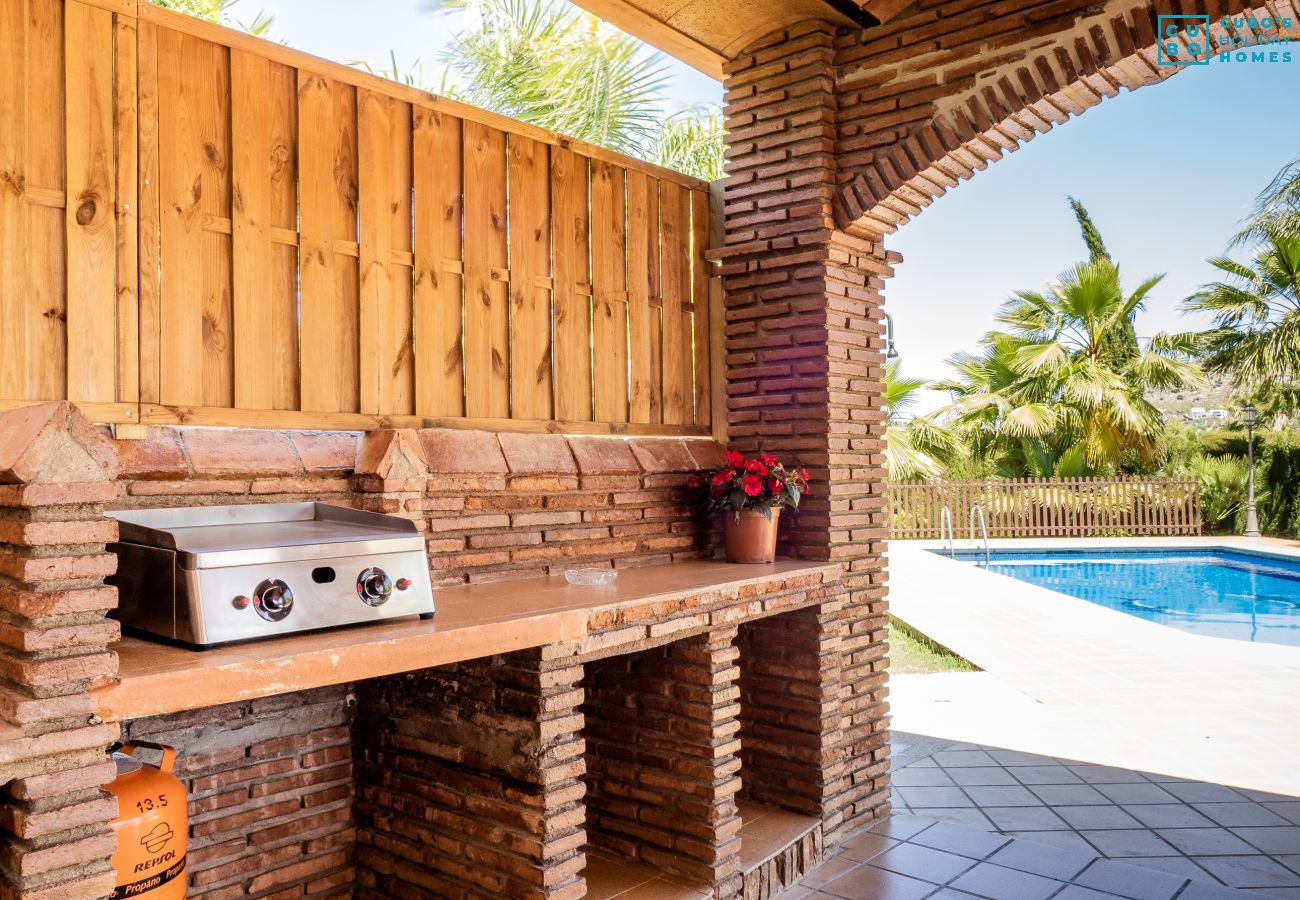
{"x": 1218, "y": 413}
{"x": 1196, "y": 414}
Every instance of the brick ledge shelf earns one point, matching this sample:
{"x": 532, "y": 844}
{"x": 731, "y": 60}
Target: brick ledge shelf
{"x": 645, "y": 607}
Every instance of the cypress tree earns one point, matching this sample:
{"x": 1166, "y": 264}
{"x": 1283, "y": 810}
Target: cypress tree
{"x": 1120, "y": 345}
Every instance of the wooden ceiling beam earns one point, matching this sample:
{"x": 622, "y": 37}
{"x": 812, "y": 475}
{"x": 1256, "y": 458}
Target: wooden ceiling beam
{"x": 639, "y": 24}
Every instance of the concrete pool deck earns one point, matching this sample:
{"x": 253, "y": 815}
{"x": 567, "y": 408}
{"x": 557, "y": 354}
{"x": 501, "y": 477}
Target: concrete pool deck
{"x": 1108, "y": 688}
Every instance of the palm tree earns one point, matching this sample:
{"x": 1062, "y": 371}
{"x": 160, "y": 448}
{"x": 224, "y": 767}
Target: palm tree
{"x": 1256, "y": 308}
{"x": 545, "y": 63}
{"x": 1050, "y": 395}
{"x": 1277, "y": 209}
{"x": 915, "y": 446}
{"x": 218, "y": 11}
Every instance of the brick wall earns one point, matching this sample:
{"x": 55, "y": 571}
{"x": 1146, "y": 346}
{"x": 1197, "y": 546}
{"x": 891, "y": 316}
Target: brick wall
{"x": 662, "y": 763}
{"x": 270, "y": 787}
{"x": 468, "y": 781}
{"x": 493, "y": 506}
{"x": 945, "y": 89}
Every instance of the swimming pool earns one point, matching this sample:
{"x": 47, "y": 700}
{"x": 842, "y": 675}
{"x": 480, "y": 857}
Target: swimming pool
{"x": 1223, "y": 593}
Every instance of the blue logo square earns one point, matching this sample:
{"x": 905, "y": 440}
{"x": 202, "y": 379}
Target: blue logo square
{"x": 1183, "y": 41}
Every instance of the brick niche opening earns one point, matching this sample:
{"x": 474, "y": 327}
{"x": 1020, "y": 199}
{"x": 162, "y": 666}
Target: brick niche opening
{"x": 662, "y": 765}
{"x": 789, "y": 716}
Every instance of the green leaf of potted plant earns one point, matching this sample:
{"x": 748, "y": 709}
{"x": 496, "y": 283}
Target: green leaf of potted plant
{"x": 751, "y": 493}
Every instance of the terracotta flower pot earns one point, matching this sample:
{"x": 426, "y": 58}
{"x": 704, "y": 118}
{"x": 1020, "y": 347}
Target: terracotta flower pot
{"x": 752, "y": 539}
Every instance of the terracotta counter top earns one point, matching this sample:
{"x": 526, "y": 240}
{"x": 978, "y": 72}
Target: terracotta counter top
{"x": 471, "y": 622}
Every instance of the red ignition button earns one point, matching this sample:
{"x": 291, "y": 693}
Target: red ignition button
{"x": 240, "y": 602}
{"x": 402, "y": 584}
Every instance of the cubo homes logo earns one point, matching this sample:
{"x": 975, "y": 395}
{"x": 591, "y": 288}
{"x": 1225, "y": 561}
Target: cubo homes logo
{"x": 1186, "y": 40}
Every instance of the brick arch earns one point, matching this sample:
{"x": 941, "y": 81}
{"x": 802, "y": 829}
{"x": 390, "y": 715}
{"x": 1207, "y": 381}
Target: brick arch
{"x": 913, "y": 122}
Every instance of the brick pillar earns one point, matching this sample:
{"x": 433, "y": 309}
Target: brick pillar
{"x": 391, "y": 474}
{"x": 805, "y": 363}
{"x": 789, "y": 698}
{"x": 56, "y": 472}
{"x": 469, "y": 781}
{"x": 661, "y": 757}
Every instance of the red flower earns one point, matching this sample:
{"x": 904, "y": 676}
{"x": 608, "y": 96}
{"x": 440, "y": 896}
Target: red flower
{"x": 774, "y": 485}
{"x": 803, "y": 473}
{"x": 693, "y": 482}
{"x": 723, "y": 477}
{"x": 753, "y": 485}
{"x": 768, "y": 459}
{"x": 756, "y": 468}
{"x": 733, "y": 458}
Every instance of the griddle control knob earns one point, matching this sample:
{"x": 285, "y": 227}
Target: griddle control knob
{"x": 273, "y": 600}
{"x": 374, "y": 586}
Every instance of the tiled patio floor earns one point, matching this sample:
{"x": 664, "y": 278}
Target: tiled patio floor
{"x": 911, "y": 857}
{"x": 1207, "y": 832}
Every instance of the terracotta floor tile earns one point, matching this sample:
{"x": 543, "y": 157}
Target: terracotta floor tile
{"x": 1037, "y": 859}
{"x": 916, "y": 861}
{"x": 1066, "y": 840}
{"x": 765, "y": 831}
{"x": 915, "y": 776}
{"x": 1119, "y": 843}
{"x": 1026, "y": 818}
{"x": 1169, "y": 815}
{"x": 1001, "y": 883}
{"x": 1130, "y": 881}
{"x": 901, "y": 827}
{"x": 964, "y": 841}
{"x": 1205, "y": 841}
{"x": 1002, "y": 795}
{"x": 1078, "y": 892}
{"x": 1089, "y": 817}
{"x": 869, "y": 883}
{"x": 1243, "y": 814}
{"x": 981, "y": 775}
{"x": 1134, "y": 793}
{"x": 966, "y": 816}
{"x": 862, "y": 847}
{"x": 1205, "y": 890}
{"x": 1044, "y": 775}
{"x": 1249, "y": 871}
{"x": 953, "y": 759}
{"x": 1068, "y": 794}
{"x": 828, "y": 871}
{"x": 923, "y": 797}
{"x": 1106, "y": 774}
{"x": 1196, "y": 792}
{"x": 1272, "y": 840}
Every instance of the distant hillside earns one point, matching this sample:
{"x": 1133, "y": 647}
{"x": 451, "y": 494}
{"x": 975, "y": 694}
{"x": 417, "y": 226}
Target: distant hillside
{"x": 1215, "y": 393}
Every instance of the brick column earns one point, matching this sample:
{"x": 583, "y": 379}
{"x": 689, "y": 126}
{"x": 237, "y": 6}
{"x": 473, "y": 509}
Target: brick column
{"x": 391, "y": 474}
{"x": 662, "y": 757}
{"x": 56, "y": 472}
{"x": 805, "y": 363}
{"x": 469, "y": 781}
{"x": 790, "y": 708}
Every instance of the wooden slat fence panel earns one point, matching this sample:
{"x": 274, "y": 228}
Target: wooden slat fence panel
{"x": 1048, "y": 507}
{"x": 261, "y": 238}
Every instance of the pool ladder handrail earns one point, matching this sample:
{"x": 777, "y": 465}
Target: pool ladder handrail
{"x": 945, "y": 528}
{"x": 984, "y": 531}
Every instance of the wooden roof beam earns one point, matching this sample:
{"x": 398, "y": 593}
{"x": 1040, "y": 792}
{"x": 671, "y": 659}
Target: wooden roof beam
{"x": 658, "y": 34}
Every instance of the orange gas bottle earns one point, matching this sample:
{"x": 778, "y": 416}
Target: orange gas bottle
{"x": 151, "y": 826}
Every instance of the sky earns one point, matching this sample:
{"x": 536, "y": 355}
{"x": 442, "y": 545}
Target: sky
{"x": 353, "y": 30}
{"x": 1167, "y": 173}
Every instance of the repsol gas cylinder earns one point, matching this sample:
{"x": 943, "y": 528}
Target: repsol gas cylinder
{"x": 151, "y": 825}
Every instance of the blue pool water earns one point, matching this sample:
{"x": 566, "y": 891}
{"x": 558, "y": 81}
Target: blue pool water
{"x": 1224, "y": 593}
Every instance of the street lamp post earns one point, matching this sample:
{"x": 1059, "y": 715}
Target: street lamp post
{"x": 1252, "y": 517}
